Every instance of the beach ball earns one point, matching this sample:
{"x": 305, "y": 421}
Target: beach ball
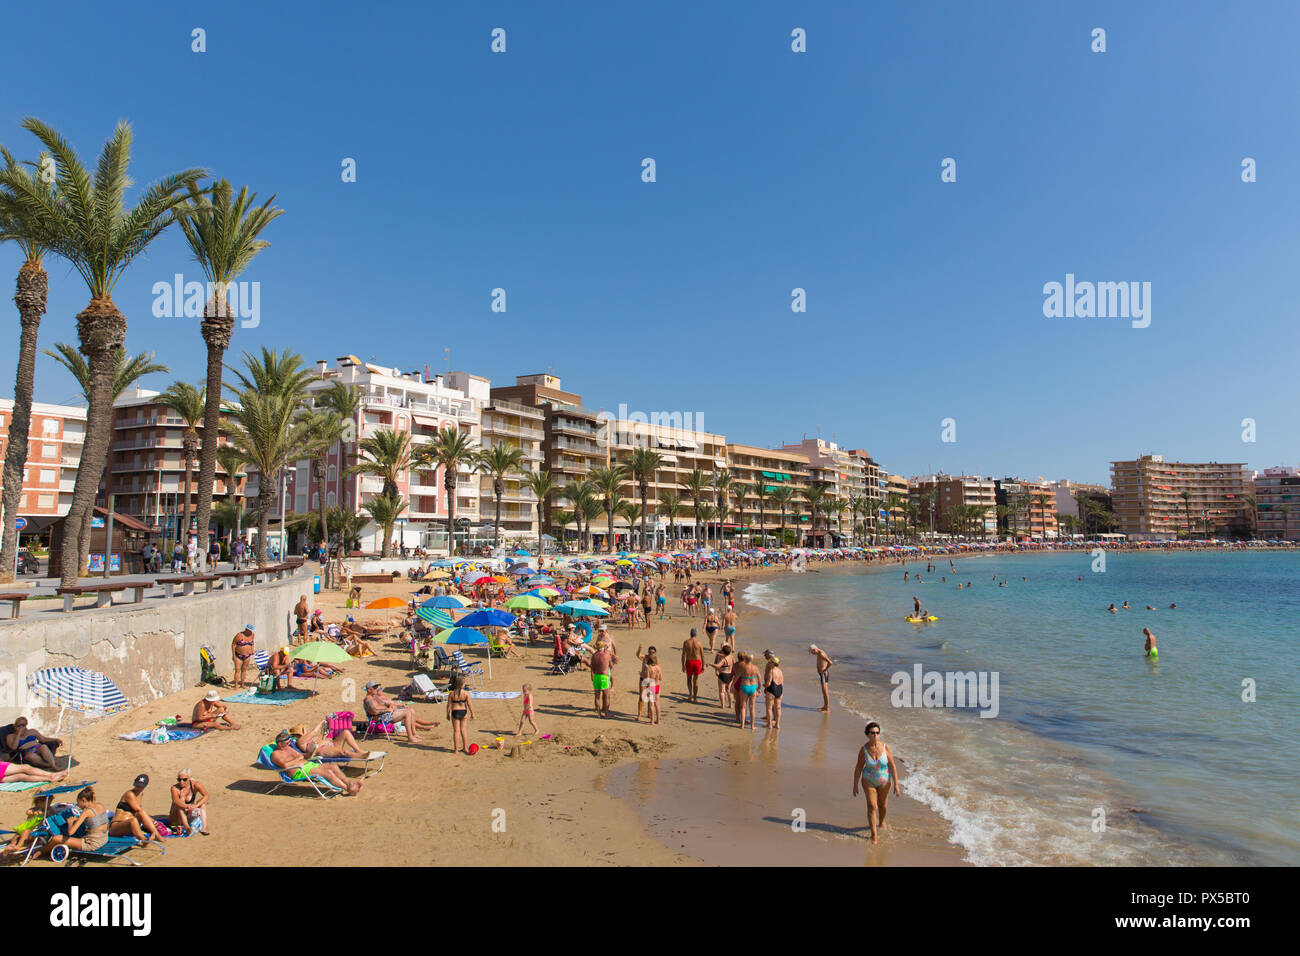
{"x": 473, "y": 749}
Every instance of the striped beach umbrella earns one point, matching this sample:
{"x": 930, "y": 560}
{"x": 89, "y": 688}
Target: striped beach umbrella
{"x": 79, "y": 690}
{"x": 439, "y": 618}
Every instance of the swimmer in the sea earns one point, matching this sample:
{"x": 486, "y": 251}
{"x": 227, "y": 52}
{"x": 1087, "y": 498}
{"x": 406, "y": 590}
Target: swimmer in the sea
{"x": 1151, "y": 652}
{"x": 1173, "y": 607}
{"x": 916, "y": 605}
{"x": 1151, "y": 607}
{"x": 1125, "y": 607}
{"x": 1113, "y": 609}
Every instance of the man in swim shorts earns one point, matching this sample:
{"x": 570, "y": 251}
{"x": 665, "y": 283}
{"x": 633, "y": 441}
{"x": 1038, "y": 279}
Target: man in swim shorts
{"x": 1149, "y": 647}
{"x": 823, "y": 675}
{"x": 286, "y": 758}
{"x": 600, "y": 666}
{"x": 693, "y": 665}
{"x": 729, "y": 625}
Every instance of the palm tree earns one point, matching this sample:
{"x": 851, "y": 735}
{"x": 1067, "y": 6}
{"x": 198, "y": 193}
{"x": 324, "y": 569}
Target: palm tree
{"x": 388, "y": 455}
{"x": 707, "y": 513}
{"x": 873, "y": 512}
{"x": 1040, "y": 499}
{"x": 1003, "y": 514}
{"x": 631, "y": 511}
{"x": 344, "y": 401}
{"x": 88, "y": 223}
{"x": 384, "y": 511}
{"x": 695, "y": 485}
{"x": 893, "y": 503}
{"x": 560, "y": 519}
{"x": 498, "y": 461}
{"x": 739, "y": 491}
{"x": 813, "y": 496}
{"x": 591, "y": 510}
{"x": 670, "y": 504}
{"x": 721, "y": 486}
{"x": 577, "y": 493}
{"x": 265, "y": 426}
{"x": 931, "y": 499}
{"x": 643, "y": 467}
{"x": 126, "y": 372}
{"x": 232, "y": 463}
{"x": 1187, "y": 503}
{"x": 761, "y": 493}
{"x": 187, "y": 402}
{"x": 222, "y": 233}
{"x": 782, "y": 497}
{"x": 543, "y": 486}
{"x": 606, "y": 482}
{"x": 33, "y": 287}
{"x": 451, "y": 449}
{"x": 327, "y": 429}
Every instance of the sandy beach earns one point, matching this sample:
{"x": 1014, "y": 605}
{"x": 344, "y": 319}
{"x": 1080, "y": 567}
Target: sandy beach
{"x": 550, "y": 802}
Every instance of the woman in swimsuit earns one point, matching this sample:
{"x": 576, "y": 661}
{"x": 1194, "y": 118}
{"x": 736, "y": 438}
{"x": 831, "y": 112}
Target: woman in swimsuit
{"x": 875, "y": 773}
{"x": 30, "y": 747}
{"x": 746, "y": 681}
{"x": 92, "y": 816}
{"x": 18, "y": 773}
{"x": 189, "y": 803}
{"x": 710, "y": 626}
{"x": 722, "y": 662}
{"x": 316, "y": 744}
{"x": 241, "y": 651}
{"x": 773, "y": 687}
{"x": 130, "y": 818}
{"x": 459, "y": 708}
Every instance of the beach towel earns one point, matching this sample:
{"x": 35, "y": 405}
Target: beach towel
{"x": 173, "y": 733}
{"x": 14, "y": 786}
{"x": 494, "y": 694}
{"x": 278, "y": 699}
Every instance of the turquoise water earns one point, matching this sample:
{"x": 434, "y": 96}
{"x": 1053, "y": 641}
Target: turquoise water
{"x": 1168, "y": 755}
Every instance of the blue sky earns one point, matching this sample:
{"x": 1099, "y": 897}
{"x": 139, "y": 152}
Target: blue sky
{"x": 775, "y": 170}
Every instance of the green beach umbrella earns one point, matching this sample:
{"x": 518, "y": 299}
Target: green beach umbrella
{"x": 320, "y": 652}
{"x": 526, "y": 602}
{"x": 438, "y": 618}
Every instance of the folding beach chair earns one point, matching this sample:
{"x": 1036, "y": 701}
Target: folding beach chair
{"x": 459, "y": 662}
{"x": 363, "y": 762}
{"x": 324, "y": 789}
{"x": 422, "y": 686}
{"x": 564, "y": 664}
{"x": 116, "y": 850}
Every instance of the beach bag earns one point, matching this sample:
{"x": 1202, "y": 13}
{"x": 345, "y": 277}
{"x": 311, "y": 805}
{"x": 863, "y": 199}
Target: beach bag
{"x": 159, "y": 735}
{"x": 266, "y": 684}
{"x": 340, "y": 721}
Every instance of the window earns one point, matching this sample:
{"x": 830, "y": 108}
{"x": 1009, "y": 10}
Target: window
{"x": 332, "y": 472}
{"x": 50, "y": 426}
{"x": 45, "y": 501}
{"x": 50, "y": 451}
{"x": 47, "y": 476}
{"x": 315, "y": 500}
{"x": 331, "y": 498}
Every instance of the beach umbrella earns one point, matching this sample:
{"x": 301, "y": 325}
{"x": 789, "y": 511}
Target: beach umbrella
{"x": 527, "y": 602}
{"x": 319, "y": 652}
{"x": 384, "y": 603}
{"x": 436, "y": 576}
{"x": 621, "y": 585}
{"x": 448, "y": 602}
{"x": 590, "y": 590}
{"x": 624, "y": 561}
{"x": 527, "y": 554}
{"x": 434, "y": 616}
{"x": 543, "y": 592}
{"x": 467, "y": 636}
{"x": 539, "y": 580}
{"x": 80, "y": 690}
{"x": 522, "y": 569}
{"x": 487, "y": 617}
{"x": 474, "y": 577}
{"x": 582, "y": 607}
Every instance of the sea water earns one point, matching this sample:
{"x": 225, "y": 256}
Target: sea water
{"x": 1096, "y": 755}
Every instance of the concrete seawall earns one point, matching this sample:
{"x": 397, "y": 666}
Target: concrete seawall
{"x": 149, "y": 649}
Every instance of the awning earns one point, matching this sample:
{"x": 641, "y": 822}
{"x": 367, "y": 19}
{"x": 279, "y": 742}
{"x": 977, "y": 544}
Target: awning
{"x": 425, "y": 420}
{"x": 669, "y": 459}
{"x": 688, "y": 445}
{"x": 771, "y": 474}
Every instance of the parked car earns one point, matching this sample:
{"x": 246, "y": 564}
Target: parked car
{"x": 27, "y": 562}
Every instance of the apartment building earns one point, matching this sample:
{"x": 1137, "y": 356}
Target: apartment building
{"x": 1148, "y": 494}
{"x": 1067, "y": 494}
{"x": 949, "y": 491}
{"x": 765, "y": 471}
{"x": 414, "y": 404}
{"x": 573, "y": 437}
{"x": 517, "y": 426}
{"x": 55, "y": 437}
{"x": 1032, "y": 507}
{"x": 842, "y": 473}
{"x": 1277, "y": 504}
{"x": 898, "y": 485}
{"x": 681, "y": 451}
{"x": 146, "y": 470}
{"x": 875, "y": 486}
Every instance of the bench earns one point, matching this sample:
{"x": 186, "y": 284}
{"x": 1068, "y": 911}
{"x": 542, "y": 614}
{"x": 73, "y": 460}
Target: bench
{"x": 187, "y": 581}
{"x": 103, "y": 593}
{"x": 375, "y": 578}
{"x": 234, "y": 577}
{"x": 15, "y": 599}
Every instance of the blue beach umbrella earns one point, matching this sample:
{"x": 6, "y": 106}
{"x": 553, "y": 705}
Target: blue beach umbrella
{"x": 488, "y": 617}
{"x": 79, "y": 690}
{"x": 448, "y": 602}
{"x": 582, "y": 608}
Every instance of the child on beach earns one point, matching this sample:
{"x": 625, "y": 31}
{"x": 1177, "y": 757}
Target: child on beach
{"x": 528, "y": 711}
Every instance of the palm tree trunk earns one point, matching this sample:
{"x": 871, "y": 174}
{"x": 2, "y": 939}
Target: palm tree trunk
{"x": 609, "y": 545}
{"x": 101, "y": 330}
{"x": 449, "y": 485}
{"x": 216, "y": 333}
{"x": 498, "y": 489}
{"x": 386, "y": 549}
{"x": 644, "y": 490}
{"x": 540, "y": 505}
{"x": 320, "y": 491}
{"x": 32, "y": 288}
{"x": 265, "y": 495}
{"x": 189, "y": 487}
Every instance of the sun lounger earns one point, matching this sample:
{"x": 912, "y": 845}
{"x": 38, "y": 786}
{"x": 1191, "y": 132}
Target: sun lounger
{"x": 116, "y": 850}
{"x": 422, "y": 686}
{"x": 375, "y": 755}
{"x": 459, "y": 662}
{"x": 323, "y": 787}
